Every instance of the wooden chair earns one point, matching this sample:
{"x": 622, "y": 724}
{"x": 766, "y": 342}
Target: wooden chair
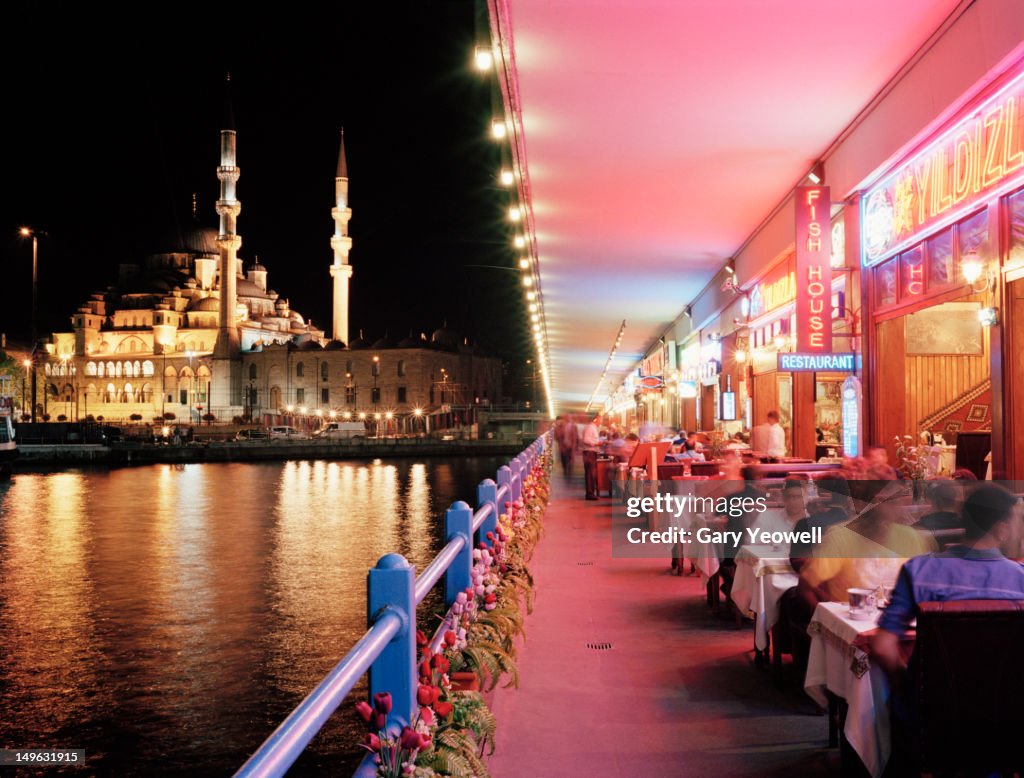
{"x": 970, "y": 686}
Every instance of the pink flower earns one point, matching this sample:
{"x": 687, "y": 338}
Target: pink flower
{"x": 461, "y": 598}
{"x": 372, "y": 742}
{"x": 364, "y": 710}
{"x": 410, "y": 739}
{"x": 382, "y": 702}
{"x": 380, "y": 721}
{"x": 426, "y": 716}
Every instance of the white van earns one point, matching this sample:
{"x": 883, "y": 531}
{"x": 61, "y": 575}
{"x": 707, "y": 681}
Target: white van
{"x": 335, "y": 430}
{"x": 285, "y": 433}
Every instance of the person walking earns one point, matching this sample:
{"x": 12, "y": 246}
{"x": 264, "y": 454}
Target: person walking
{"x": 591, "y": 448}
{"x": 568, "y": 441}
{"x": 769, "y": 439}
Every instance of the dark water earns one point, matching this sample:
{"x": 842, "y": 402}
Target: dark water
{"x": 167, "y": 618}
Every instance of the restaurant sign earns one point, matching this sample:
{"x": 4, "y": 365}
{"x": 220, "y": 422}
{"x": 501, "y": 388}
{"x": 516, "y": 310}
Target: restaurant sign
{"x": 813, "y": 270}
{"x": 792, "y": 362}
{"x": 979, "y": 155}
{"x": 769, "y": 295}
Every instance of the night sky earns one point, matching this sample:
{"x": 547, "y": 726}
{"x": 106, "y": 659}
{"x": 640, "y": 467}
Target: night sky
{"x": 108, "y": 134}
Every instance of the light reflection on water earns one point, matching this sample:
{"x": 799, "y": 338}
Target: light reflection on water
{"x": 166, "y": 618}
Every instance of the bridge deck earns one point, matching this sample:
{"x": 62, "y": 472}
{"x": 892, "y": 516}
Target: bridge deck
{"x": 677, "y": 694}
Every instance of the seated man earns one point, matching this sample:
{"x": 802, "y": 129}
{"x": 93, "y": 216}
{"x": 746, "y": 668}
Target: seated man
{"x": 944, "y": 497}
{"x": 976, "y": 570}
{"x": 690, "y": 451}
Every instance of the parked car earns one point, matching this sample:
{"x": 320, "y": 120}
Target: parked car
{"x": 286, "y": 433}
{"x": 252, "y": 435}
{"x": 341, "y": 430}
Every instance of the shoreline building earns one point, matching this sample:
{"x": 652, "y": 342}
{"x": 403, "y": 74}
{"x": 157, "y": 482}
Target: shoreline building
{"x": 191, "y": 332}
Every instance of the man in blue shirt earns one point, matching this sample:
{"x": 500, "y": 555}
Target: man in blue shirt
{"x": 976, "y": 570}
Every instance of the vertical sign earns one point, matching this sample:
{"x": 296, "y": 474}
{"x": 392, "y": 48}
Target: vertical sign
{"x": 813, "y": 270}
{"x": 851, "y": 416}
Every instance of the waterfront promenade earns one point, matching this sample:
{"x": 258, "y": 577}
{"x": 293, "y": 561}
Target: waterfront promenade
{"x": 677, "y": 692}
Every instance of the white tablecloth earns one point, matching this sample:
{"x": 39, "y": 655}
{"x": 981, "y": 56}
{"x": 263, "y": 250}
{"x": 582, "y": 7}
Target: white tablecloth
{"x": 705, "y": 556}
{"x": 762, "y": 576}
{"x": 844, "y": 669}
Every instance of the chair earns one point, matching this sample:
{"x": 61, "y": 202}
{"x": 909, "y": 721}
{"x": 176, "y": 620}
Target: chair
{"x": 970, "y": 686}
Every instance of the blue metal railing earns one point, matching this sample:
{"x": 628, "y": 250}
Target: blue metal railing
{"x": 388, "y": 649}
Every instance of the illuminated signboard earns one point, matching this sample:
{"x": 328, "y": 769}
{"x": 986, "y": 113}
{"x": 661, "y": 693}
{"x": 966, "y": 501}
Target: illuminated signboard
{"x": 769, "y": 295}
{"x": 850, "y": 409}
{"x": 728, "y": 406}
{"x": 981, "y": 154}
{"x": 813, "y": 363}
{"x": 813, "y": 269}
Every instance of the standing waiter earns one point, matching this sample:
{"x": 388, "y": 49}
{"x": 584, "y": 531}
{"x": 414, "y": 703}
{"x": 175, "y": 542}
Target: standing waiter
{"x": 591, "y": 447}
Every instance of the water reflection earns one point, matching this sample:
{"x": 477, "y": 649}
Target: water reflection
{"x": 183, "y": 611}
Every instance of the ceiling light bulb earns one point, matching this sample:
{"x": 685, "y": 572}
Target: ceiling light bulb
{"x": 506, "y": 177}
{"x": 531, "y": 295}
{"x": 533, "y": 307}
{"x": 524, "y": 263}
{"x": 483, "y": 58}
{"x": 519, "y": 241}
{"x": 498, "y": 129}
{"x": 527, "y": 280}
{"x": 514, "y": 213}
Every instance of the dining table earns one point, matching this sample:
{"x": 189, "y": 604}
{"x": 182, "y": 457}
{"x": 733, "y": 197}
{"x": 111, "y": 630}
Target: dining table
{"x": 763, "y": 575}
{"x": 840, "y": 664}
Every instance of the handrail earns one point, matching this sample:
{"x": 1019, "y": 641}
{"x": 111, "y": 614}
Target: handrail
{"x": 287, "y": 742}
{"x": 388, "y": 649}
{"x": 432, "y": 573}
{"x": 480, "y": 516}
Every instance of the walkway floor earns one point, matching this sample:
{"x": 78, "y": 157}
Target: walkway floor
{"x": 677, "y": 694}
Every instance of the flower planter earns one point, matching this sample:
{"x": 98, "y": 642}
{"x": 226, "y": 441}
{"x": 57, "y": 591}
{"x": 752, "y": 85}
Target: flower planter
{"x": 464, "y": 682}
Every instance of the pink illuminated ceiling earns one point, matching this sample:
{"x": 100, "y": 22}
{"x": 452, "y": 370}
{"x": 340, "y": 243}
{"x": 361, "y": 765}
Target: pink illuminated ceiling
{"x": 658, "y": 135}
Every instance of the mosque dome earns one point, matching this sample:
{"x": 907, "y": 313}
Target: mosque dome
{"x": 334, "y": 345}
{"x": 191, "y": 238}
{"x": 208, "y": 304}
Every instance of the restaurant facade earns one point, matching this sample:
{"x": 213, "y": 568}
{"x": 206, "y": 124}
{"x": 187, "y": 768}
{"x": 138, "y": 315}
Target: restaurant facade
{"x": 942, "y": 245}
{"x": 919, "y": 313}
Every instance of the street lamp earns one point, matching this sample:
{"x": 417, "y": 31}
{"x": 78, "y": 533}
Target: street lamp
{"x": 29, "y": 232}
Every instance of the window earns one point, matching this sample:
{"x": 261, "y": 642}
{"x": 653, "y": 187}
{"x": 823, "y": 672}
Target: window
{"x": 401, "y": 368}
{"x": 885, "y": 284}
{"x": 401, "y": 394}
{"x": 325, "y": 396}
{"x": 183, "y": 396}
{"x": 300, "y": 395}
{"x": 350, "y": 395}
{"x": 252, "y": 372}
{"x": 973, "y": 234}
{"x": 375, "y": 395}
{"x": 323, "y": 371}
{"x": 300, "y": 370}
{"x": 940, "y": 259}
{"x": 912, "y": 273}
{"x": 1015, "y": 206}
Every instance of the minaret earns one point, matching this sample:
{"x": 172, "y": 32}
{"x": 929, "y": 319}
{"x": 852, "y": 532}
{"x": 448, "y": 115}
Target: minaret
{"x": 341, "y": 270}
{"x": 227, "y": 372}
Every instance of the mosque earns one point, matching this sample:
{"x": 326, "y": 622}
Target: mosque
{"x": 190, "y": 333}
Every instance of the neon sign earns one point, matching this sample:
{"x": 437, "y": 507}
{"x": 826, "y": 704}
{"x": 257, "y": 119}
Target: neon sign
{"x": 813, "y": 270}
{"x": 979, "y": 155}
{"x": 850, "y": 409}
{"x": 791, "y": 362}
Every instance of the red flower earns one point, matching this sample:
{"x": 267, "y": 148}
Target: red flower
{"x": 427, "y": 716}
{"x": 440, "y": 663}
{"x": 410, "y": 739}
{"x": 380, "y": 721}
{"x": 364, "y": 710}
{"x": 382, "y": 702}
{"x": 489, "y": 598}
{"x": 490, "y": 536}
{"x": 421, "y": 638}
{"x": 372, "y": 742}
{"x": 442, "y": 708}
{"x": 425, "y": 669}
{"x": 424, "y": 694}
{"x": 450, "y": 638}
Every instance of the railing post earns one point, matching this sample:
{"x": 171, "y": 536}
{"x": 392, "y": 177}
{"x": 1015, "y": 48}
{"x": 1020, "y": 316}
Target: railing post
{"x": 505, "y": 479}
{"x": 389, "y": 586}
{"x": 517, "y": 481}
{"x": 458, "y": 521}
{"x": 487, "y": 494}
